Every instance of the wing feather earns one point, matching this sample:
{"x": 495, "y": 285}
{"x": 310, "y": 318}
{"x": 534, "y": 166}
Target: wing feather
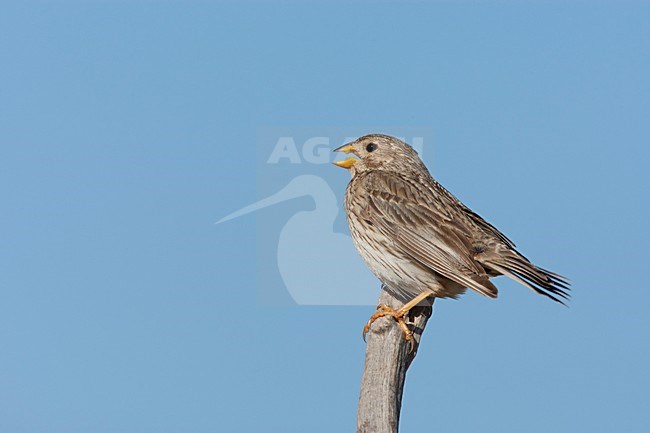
{"x": 403, "y": 211}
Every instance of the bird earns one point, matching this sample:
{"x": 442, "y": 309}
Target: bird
{"x": 419, "y": 240}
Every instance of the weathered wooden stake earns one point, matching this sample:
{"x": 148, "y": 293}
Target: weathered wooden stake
{"x": 384, "y": 371}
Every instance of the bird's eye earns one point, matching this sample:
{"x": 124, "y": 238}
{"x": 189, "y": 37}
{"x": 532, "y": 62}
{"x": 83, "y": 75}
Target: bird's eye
{"x": 371, "y": 147}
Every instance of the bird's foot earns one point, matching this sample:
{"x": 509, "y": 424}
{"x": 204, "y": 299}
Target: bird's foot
{"x": 398, "y": 315}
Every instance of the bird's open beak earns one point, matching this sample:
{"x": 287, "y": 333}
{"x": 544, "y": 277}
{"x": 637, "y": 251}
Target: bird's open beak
{"x": 348, "y": 162}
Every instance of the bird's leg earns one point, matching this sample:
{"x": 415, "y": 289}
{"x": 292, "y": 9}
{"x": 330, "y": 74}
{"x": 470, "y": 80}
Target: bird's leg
{"x": 398, "y": 315}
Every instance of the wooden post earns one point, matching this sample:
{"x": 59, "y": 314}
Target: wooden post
{"x": 384, "y": 371}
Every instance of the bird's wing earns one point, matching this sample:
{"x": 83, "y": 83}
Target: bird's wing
{"x": 504, "y": 259}
{"x": 405, "y": 211}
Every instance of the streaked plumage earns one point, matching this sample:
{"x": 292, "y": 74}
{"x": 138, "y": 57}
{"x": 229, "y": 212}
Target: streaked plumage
{"x": 415, "y": 236}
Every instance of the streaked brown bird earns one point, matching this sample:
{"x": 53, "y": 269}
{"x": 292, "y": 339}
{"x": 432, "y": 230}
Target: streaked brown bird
{"x": 419, "y": 239}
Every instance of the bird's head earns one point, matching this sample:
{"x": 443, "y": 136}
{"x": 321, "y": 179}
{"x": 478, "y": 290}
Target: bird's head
{"x": 377, "y": 151}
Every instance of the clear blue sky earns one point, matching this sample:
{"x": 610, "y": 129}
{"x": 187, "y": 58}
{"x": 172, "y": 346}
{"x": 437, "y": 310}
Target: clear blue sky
{"x": 128, "y": 128}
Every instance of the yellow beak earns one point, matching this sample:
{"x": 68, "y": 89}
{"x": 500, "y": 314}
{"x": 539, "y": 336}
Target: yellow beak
{"x": 346, "y": 148}
{"x": 348, "y": 162}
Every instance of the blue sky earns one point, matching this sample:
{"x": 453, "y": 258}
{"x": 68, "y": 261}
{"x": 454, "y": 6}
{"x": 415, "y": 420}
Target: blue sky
{"x": 128, "y": 128}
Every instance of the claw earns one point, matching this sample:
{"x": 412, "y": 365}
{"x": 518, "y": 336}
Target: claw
{"x": 408, "y": 336}
{"x": 398, "y": 315}
{"x": 384, "y": 309}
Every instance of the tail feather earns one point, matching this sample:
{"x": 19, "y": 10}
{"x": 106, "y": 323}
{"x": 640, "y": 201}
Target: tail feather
{"x": 518, "y": 268}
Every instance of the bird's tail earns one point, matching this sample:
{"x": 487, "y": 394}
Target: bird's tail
{"x": 512, "y": 264}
